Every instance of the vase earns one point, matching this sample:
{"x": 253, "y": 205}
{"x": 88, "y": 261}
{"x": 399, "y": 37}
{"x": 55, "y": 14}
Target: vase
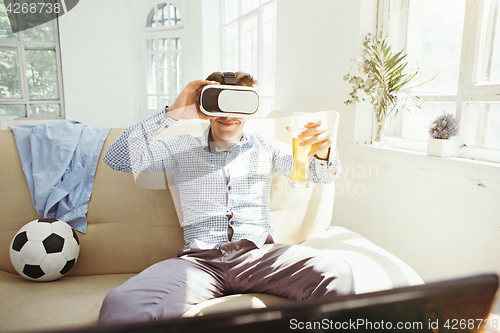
{"x": 378, "y": 129}
{"x": 440, "y": 147}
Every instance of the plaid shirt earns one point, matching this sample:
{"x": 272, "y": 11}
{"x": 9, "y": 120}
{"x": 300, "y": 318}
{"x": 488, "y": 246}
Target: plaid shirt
{"x": 225, "y": 194}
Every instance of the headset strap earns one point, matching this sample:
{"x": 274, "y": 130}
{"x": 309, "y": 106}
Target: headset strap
{"x": 229, "y": 78}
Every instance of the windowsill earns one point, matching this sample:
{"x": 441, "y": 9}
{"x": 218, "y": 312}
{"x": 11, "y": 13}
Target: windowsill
{"x": 473, "y": 169}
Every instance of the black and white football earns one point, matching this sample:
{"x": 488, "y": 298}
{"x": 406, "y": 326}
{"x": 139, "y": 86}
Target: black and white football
{"x": 44, "y": 250}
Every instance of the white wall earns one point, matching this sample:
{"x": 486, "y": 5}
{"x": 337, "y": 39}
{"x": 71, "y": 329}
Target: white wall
{"x": 441, "y": 216}
{"x": 102, "y": 62}
{"x": 312, "y": 58}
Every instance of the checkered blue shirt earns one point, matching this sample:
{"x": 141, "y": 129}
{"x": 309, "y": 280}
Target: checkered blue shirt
{"x": 225, "y": 194}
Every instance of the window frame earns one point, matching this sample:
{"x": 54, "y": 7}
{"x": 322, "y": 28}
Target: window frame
{"x": 25, "y": 100}
{"x": 156, "y": 33}
{"x": 241, "y": 19}
{"x": 468, "y": 90}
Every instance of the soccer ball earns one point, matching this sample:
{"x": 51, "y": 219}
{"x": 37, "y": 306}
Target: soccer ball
{"x": 44, "y": 250}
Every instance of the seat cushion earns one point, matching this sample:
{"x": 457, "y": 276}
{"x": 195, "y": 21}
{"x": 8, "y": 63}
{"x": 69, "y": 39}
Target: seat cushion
{"x": 374, "y": 268}
{"x": 68, "y": 303}
{"x": 75, "y": 301}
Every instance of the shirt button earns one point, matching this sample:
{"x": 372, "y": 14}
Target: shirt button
{"x": 229, "y": 188}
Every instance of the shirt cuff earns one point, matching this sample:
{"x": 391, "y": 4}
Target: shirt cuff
{"x": 332, "y": 163}
{"x": 161, "y": 120}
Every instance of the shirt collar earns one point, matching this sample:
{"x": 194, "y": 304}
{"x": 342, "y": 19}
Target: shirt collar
{"x": 206, "y": 140}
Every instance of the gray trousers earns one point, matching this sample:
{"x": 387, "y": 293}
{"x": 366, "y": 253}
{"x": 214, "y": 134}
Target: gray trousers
{"x": 169, "y": 288}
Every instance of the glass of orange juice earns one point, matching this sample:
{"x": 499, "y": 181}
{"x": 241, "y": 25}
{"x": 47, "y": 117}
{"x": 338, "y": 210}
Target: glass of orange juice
{"x": 300, "y": 168}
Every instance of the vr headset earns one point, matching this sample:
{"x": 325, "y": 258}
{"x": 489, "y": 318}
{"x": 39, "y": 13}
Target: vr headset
{"x": 229, "y": 100}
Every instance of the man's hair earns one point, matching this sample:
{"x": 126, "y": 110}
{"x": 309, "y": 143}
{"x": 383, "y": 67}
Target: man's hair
{"x": 242, "y": 78}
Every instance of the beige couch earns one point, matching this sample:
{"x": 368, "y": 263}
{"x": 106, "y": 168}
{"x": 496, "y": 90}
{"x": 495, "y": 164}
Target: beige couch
{"x": 133, "y": 223}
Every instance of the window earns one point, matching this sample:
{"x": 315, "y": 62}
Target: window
{"x": 163, "y": 57}
{"x": 458, "y": 42}
{"x": 248, "y": 44}
{"x": 30, "y": 70}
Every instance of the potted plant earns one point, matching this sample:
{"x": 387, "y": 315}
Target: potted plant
{"x": 384, "y": 78}
{"x": 442, "y": 129}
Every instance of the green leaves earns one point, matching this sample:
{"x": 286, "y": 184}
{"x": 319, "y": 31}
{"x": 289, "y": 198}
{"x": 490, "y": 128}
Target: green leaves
{"x": 387, "y": 78}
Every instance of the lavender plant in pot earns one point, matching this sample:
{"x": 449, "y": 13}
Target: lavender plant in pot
{"x": 442, "y": 130}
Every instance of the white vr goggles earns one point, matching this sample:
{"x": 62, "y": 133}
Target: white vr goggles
{"x": 229, "y": 100}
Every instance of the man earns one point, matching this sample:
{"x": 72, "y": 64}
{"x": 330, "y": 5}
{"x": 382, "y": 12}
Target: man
{"x": 224, "y": 178}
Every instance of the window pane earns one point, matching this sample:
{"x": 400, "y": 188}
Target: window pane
{"x": 13, "y": 110}
{"x": 230, "y": 10}
{"x": 175, "y": 18}
{"x": 151, "y": 45}
{"x": 175, "y": 44}
{"x": 45, "y": 110}
{"x": 10, "y": 82}
{"x": 483, "y": 124}
{"x": 162, "y": 72}
{"x": 162, "y": 44}
{"x": 414, "y": 124}
{"x": 40, "y": 33}
{"x": 151, "y": 74}
{"x": 163, "y": 101}
{"x": 489, "y": 49}
{"x": 231, "y": 47}
{"x": 41, "y": 71}
{"x": 179, "y": 73}
{"x": 249, "y": 47}
{"x": 435, "y": 43}
{"x": 5, "y": 27}
{"x": 175, "y": 67}
{"x": 248, "y": 5}
{"x": 152, "y": 102}
{"x": 150, "y": 22}
{"x": 266, "y": 106}
{"x": 162, "y": 17}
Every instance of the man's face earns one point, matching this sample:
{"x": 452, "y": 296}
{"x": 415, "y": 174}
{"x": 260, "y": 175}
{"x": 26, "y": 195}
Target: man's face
{"x": 227, "y": 129}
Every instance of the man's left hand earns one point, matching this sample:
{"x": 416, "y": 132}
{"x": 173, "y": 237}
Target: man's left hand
{"x": 317, "y": 136}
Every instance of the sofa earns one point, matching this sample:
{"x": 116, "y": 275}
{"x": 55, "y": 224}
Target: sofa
{"x": 133, "y": 222}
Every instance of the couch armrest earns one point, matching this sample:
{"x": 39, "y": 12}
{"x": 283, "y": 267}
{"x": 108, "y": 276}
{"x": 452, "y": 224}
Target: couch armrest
{"x": 373, "y": 267}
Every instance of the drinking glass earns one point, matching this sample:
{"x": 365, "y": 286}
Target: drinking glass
{"x": 300, "y": 168}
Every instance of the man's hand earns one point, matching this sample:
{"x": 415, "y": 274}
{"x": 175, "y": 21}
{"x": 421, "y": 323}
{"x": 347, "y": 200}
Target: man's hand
{"x": 187, "y": 104}
{"x": 318, "y": 138}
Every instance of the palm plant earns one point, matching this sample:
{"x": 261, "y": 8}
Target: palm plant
{"x": 386, "y": 81}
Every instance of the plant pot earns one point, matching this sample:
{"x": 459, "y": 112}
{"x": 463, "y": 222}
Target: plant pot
{"x": 440, "y": 147}
{"x": 378, "y": 129}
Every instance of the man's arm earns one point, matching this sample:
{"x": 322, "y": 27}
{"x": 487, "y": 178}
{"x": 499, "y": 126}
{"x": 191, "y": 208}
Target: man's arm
{"x": 326, "y": 171}
{"x": 325, "y": 167}
{"x": 321, "y": 171}
{"x": 318, "y": 137}
{"x": 187, "y": 104}
{"x": 135, "y": 151}
{"x": 324, "y": 161}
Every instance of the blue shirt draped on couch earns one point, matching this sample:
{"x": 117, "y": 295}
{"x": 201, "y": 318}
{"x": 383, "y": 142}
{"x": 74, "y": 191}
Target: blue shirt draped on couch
{"x": 59, "y": 159}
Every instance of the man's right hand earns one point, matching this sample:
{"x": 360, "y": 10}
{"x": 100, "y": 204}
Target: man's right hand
{"x": 187, "y": 104}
